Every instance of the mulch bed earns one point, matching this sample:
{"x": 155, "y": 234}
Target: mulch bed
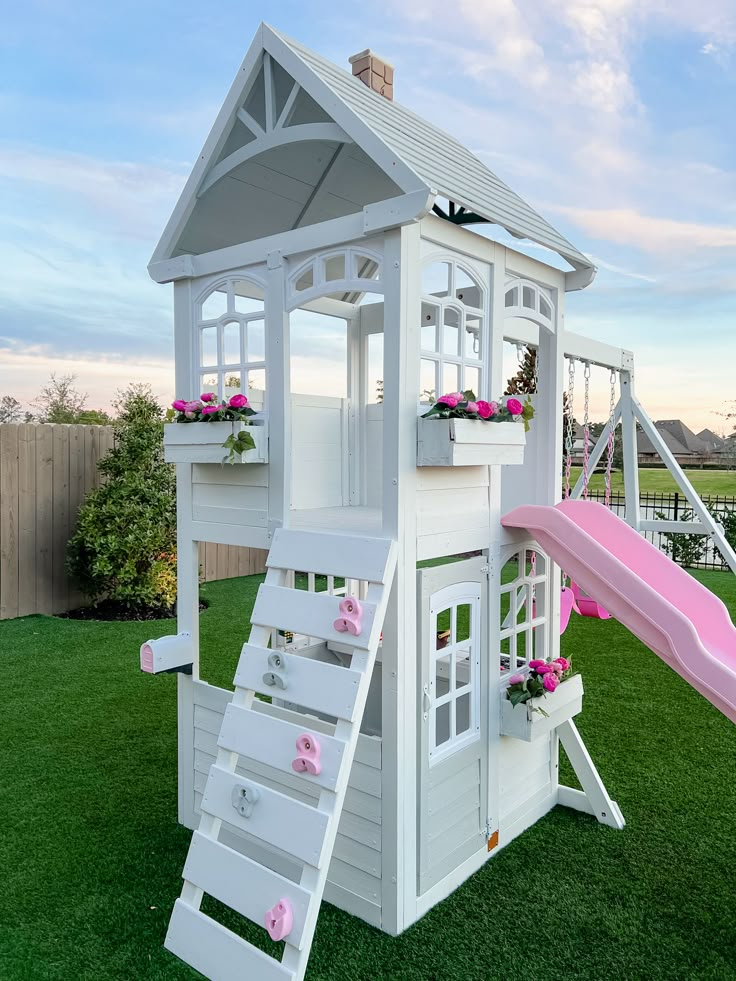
{"x": 110, "y": 610}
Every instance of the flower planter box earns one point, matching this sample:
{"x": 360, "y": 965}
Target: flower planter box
{"x": 201, "y": 442}
{"x": 522, "y": 722}
{"x": 469, "y": 443}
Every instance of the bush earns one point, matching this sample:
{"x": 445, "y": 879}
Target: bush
{"x": 124, "y": 545}
{"x": 686, "y": 550}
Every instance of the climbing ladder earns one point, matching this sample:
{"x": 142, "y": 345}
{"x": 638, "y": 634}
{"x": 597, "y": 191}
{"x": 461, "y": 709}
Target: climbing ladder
{"x": 288, "y": 909}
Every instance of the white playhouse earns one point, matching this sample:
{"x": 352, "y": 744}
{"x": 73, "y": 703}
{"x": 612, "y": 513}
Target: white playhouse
{"x": 368, "y": 754}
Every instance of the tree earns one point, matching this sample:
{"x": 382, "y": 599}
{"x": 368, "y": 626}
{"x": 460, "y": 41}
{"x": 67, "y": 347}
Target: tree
{"x": 124, "y": 545}
{"x": 524, "y": 381}
{"x": 10, "y": 409}
{"x": 61, "y": 402}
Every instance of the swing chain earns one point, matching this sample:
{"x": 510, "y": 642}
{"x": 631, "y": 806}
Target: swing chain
{"x": 611, "y": 434}
{"x": 569, "y": 424}
{"x": 586, "y": 429}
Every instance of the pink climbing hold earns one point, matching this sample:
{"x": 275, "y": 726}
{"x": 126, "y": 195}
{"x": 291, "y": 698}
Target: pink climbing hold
{"x": 308, "y": 752}
{"x": 279, "y": 920}
{"x": 350, "y": 617}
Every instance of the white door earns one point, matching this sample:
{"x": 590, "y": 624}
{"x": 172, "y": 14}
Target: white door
{"x": 453, "y": 717}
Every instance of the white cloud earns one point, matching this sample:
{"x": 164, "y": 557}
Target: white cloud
{"x": 626, "y": 226}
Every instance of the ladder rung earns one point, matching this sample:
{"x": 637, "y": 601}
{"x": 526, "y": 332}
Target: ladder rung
{"x": 242, "y": 884}
{"x": 295, "y": 828}
{"x": 216, "y": 952}
{"x": 346, "y": 556}
{"x": 260, "y": 737}
{"x": 312, "y": 614}
{"x": 318, "y": 686}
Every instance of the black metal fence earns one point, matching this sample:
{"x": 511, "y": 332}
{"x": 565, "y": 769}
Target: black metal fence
{"x": 692, "y": 551}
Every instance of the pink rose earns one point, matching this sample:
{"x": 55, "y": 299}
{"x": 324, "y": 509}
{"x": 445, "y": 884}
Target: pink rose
{"x": 563, "y": 662}
{"x": 179, "y": 404}
{"x": 536, "y": 664}
{"x": 449, "y": 400}
{"x": 516, "y": 679}
{"x": 460, "y": 396}
{"x": 514, "y": 406}
{"x": 550, "y": 681}
{"x": 557, "y": 668}
{"x": 238, "y": 402}
{"x": 193, "y": 406}
{"x": 472, "y": 407}
{"x": 484, "y": 409}
{"x": 545, "y": 669}
{"x": 208, "y": 396}
{"x": 209, "y": 409}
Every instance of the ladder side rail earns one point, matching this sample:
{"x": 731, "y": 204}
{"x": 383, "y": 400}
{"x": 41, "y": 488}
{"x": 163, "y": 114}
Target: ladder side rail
{"x": 331, "y": 802}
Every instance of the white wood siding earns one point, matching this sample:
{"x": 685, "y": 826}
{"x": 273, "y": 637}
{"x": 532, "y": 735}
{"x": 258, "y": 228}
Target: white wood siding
{"x": 525, "y": 779}
{"x": 354, "y": 882}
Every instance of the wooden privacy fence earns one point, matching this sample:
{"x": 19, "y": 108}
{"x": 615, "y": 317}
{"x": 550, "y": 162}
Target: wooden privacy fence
{"x": 46, "y": 472}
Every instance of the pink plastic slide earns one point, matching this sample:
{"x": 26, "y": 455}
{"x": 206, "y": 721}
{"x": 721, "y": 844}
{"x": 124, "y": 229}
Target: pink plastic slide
{"x": 660, "y": 603}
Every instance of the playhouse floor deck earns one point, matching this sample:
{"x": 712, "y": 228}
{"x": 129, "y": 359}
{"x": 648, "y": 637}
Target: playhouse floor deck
{"x": 340, "y": 521}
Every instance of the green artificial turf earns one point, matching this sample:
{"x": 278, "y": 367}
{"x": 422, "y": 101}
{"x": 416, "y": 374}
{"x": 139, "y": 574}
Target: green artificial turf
{"x": 91, "y": 853}
{"x": 661, "y": 481}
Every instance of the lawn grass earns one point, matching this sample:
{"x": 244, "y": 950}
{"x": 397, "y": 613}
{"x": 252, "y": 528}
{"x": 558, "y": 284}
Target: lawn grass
{"x": 91, "y": 853}
{"x": 705, "y": 482}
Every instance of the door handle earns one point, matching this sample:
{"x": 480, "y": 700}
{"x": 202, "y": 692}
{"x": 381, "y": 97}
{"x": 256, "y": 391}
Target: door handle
{"x": 426, "y": 702}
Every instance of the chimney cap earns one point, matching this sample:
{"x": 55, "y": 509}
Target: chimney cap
{"x": 369, "y": 53}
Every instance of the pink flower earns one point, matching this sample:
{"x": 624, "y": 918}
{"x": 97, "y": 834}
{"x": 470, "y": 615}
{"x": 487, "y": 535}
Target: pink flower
{"x": 460, "y": 396}
{"x": 484, "y": 409}
{"x": 545, "y": 669}
{"x": 536, "y": 664}
{"x": 550, "y": 681}
{"x": 209, "y": 409}
{"x": 557, "y": 668}
{"x": 238, "y": 402}
{"x": 179, "y": 404}
{"x": 449, "y": 400}
{"x": 563, "y": 661}
{"x": 516, "y": 679}
{"x": 208, "y": 396}
{"x": 194, "y": 406}
{"x": 472, "y": 407}
{"x": 514, "y": 406}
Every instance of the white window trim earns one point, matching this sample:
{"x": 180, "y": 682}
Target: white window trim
{"x": 458, "y": 594}
{"x": 321, "y": 285}
{"x": 220, "y": 369}
{"x": 530, "y": 313}
{"x": 537, "y": 624}
{"x": 438, "y": 356}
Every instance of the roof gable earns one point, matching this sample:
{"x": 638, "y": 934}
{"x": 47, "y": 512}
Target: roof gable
{"x": 299, "y": 140}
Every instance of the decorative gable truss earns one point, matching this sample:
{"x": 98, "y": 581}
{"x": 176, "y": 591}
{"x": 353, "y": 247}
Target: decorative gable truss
{"x": 284, "y": 155}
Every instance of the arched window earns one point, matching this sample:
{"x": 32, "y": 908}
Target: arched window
{"x": 230, "y": 338}
{"x": 453, "y": 331}
{"x": 344, "y": 274}
{"x": 454, "y": 683}
{"x": 526, "y": 299}
{"x": 524, "y": 610}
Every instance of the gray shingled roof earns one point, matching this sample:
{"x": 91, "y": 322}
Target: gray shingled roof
{"x": 444, "y": 164}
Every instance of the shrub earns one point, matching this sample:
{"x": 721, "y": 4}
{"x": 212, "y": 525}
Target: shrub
{"x": 686, "y": 550}
{"x": 124, "y": 545}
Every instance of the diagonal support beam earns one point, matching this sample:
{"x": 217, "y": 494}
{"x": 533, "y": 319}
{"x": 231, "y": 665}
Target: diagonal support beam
{"x": 699, "y": 509}
{"x": 594, "y": 798}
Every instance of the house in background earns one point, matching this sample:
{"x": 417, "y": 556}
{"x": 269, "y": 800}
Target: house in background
{"x": 688, "y": 448}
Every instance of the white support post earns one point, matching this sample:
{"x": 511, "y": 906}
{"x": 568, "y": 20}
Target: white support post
{"x": 187, "y": 553}
{"x": 355, "y": 428}
{"x": 278, "y": 394}
{"x": 630, "y": 450}
{"x": 710, "y": 526}
{"x": 594, "y": 798}
{"x": 399, "y": 673}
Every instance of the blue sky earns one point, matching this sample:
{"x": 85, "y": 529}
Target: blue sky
{"x": 614, "y": 118}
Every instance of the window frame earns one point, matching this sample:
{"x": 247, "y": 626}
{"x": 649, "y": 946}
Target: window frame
{"x": 438, "y": 356}
{"x": 451, "y": 597}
